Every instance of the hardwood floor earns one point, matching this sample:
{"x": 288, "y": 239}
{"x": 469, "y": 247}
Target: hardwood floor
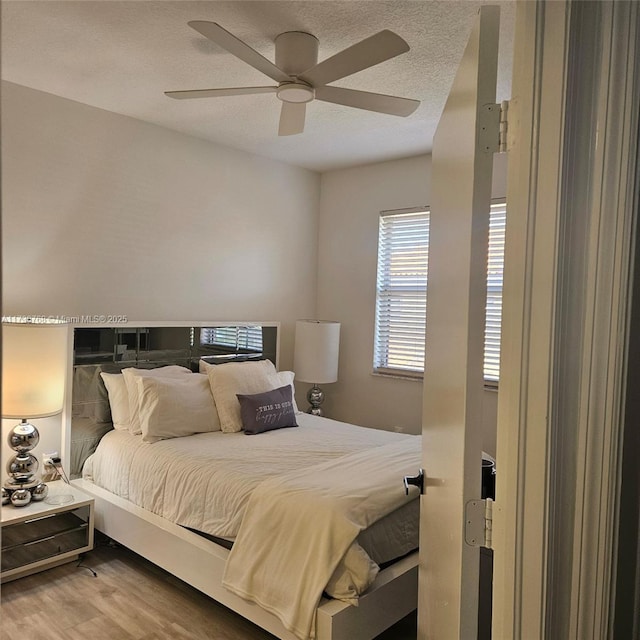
{"x": 128, "y": 599}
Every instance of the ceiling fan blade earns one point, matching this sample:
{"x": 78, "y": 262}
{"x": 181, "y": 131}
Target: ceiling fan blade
{"x": 370, "y": 101}
{"x": 233, "y": 45}
{"x": 292, "y": 118}
{"x": 216, "y": 93}
{"x": 367, "y": 53}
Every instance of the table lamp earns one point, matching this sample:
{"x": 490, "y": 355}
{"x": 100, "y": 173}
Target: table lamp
{"x": 34, "y": 369}
{"x": 316, "y": 357}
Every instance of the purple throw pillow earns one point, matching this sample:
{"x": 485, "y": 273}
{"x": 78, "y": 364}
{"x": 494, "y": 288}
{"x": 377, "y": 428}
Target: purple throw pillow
{"x": 267, "y": 411}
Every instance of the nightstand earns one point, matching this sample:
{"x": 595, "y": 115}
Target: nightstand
{"x": 40, "y": 535}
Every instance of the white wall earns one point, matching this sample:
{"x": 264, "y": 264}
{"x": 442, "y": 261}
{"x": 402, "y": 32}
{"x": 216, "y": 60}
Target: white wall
{"x": 105, "y": 214}
{"x": 350, "y": 204}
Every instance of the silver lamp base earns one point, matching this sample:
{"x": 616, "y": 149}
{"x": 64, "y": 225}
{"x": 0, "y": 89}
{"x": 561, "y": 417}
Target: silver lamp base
{"x": 20, "y": 494}
{"x": 315, "y": 396}
{"x": 23, "y": 485}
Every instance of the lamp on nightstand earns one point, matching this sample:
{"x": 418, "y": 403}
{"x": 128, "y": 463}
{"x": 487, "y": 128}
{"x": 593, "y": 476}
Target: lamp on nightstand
{"x": 316, "y": 357}
{"x": 34, "y": 363}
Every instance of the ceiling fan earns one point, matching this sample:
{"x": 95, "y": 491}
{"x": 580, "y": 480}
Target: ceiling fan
{"x": 302, "y": 79}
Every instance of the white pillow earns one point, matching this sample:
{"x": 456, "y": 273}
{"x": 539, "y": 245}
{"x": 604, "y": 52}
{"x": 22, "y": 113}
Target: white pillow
{"x": 118, "y": 399}
{"x": 130, "y": 375}
{"x": 286, "y": 377}
{"x": 204, "y": 366}
{"x": 238, "y": 377}
{"x": 175, "y": 407}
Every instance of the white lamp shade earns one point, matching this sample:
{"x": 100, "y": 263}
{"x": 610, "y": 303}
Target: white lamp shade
{"x": 316, "y": 351}
{"x": 34, "y": 369}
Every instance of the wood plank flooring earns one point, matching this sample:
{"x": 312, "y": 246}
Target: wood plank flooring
{"x": 130, "y": 599}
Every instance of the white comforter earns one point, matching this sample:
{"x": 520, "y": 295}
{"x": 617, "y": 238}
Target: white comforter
{"x": 315, "y": 515}
{"x": 204, "y": 481}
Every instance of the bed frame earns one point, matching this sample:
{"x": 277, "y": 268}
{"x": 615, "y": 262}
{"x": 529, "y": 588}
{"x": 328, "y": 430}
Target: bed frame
{"x": 200, "y": 562}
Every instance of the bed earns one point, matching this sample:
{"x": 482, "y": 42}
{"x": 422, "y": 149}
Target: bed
{"x": 202, "y": 505}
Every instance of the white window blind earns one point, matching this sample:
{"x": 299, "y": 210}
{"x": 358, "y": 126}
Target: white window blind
{"x": 246, "y": 338}
{"x": 495, "y": 270}
{"x": 401, "y": 300}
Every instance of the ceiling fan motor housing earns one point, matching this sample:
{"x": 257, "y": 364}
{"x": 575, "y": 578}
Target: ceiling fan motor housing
{"x": 296, "y": 51}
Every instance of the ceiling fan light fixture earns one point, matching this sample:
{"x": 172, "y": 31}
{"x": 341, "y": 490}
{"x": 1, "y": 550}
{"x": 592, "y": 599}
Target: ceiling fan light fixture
{"x": 295, "y": 92}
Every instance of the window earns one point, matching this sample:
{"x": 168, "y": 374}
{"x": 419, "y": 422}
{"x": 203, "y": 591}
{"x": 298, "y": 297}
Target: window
{"x": 495, "y": 270}
{"x": 401, "y": 297}
{"x": 236, "y": 338}
{"x": 401, "y": 300}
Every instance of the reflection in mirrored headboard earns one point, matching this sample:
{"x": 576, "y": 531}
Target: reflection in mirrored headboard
{"x": 174, "y": 345}
{"x": 111, "y": 349}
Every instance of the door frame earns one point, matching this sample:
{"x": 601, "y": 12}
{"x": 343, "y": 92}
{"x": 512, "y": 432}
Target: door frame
{"x": 569, "y": 252}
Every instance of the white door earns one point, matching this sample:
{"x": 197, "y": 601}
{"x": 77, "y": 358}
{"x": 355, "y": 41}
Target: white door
{"x": 453, "y": 381}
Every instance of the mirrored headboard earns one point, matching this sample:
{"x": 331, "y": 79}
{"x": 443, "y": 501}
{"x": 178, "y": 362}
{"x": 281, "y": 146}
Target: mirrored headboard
{"x": 149, "y": 345}
{"x": 184, "y": 345}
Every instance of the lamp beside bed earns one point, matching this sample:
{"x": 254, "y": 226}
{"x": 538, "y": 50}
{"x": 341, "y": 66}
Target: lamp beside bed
{"x": 316, "y": 351}
{"x": 34, "y": 360}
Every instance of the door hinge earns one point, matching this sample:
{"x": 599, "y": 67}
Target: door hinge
{"x": 492, "y": 130}
{"x": 479, "y": 523}
{"x": 504, "y": 126}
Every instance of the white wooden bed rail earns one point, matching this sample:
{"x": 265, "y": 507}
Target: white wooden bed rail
{"x": 200, "y": 563}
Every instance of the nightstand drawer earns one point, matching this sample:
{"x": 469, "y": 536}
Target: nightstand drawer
{"x": 45, "y": 537}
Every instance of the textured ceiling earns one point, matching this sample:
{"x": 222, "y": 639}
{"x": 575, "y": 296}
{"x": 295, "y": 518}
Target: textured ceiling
{"x": 122, "y": 56}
